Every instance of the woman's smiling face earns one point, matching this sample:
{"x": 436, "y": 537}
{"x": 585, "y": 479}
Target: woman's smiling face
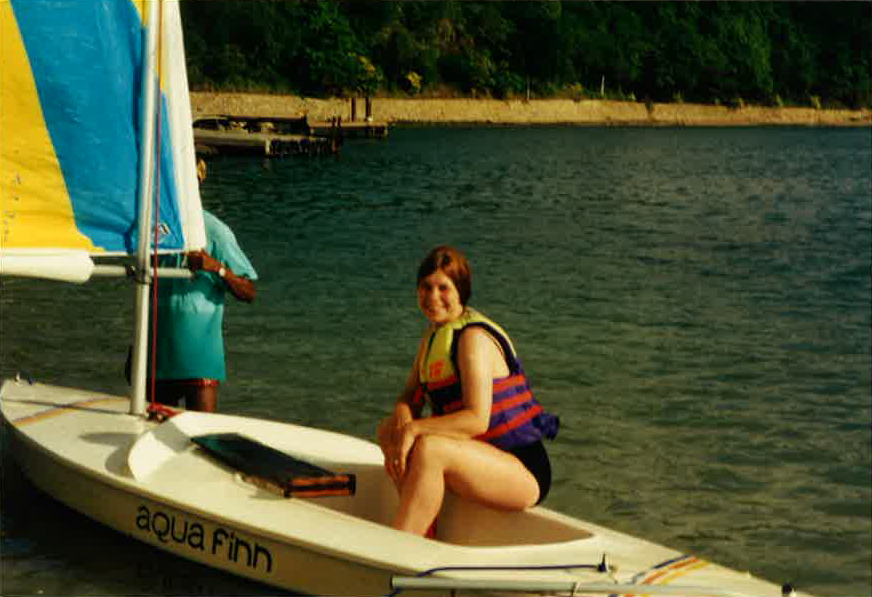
{"x": 438, "y": 298}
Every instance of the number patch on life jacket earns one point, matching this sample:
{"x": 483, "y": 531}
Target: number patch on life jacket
{"x": 436, "y": 370}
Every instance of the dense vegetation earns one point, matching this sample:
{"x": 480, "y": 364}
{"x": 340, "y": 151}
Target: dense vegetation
{"x": 711, "y": 52}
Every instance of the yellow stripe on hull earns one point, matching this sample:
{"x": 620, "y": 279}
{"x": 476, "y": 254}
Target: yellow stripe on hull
{"x": 681, "y": 572}
{"x": 65, "y": 408}
{"x": 674, "y": 571}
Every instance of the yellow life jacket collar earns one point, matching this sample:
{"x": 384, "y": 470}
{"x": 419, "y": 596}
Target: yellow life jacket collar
{"x": 439, "y": 363}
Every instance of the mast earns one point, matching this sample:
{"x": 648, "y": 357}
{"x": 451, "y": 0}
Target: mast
{"x": 139, "y": 362}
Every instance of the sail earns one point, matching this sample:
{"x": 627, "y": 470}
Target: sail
{"x": 70, "y": 116}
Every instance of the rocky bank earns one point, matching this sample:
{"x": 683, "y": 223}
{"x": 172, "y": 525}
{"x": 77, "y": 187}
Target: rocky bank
{"x": 518, "y": 112}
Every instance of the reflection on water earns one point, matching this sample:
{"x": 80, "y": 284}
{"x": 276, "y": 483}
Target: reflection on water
{"x": 693, "y": 303}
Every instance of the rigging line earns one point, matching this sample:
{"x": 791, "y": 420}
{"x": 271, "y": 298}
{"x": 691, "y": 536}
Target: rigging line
{"x": 152, "y": 381}
{"x": 602, "y": 567}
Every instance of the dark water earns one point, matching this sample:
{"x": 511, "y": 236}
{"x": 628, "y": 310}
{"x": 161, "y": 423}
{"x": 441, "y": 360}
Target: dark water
{"x": 694, "y": 304}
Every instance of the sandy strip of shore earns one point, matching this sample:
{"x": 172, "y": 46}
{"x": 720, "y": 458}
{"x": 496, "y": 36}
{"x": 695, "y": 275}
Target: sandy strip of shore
{"x": 517, "y": 112}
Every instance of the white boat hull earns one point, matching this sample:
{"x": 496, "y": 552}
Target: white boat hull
{"x": 151, "y": 482}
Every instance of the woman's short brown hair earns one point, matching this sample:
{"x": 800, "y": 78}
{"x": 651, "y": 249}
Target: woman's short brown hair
{"x": 453, "y": 264}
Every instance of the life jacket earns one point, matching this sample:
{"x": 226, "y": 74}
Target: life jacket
{"x": 516, "y": 418}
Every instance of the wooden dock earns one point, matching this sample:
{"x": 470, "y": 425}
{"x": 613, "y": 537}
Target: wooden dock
{"x": 265, "y": 144}
{"x": 278, "y": 136}
{"x": 349, "y": 130}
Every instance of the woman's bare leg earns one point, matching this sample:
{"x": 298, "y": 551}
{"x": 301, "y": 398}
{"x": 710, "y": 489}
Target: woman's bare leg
{"x": 473, "y": 469}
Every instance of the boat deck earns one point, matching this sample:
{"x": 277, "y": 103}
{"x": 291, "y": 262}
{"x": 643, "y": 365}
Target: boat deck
{"x": 153, "y": 482}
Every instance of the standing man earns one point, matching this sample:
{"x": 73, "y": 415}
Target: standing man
{"x": 190, "y": 343}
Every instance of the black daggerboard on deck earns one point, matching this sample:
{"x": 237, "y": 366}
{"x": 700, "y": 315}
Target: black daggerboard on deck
{"x": 274, "y": 470}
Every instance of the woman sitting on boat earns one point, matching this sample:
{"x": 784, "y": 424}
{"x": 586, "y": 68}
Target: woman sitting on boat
{"x": 483, "y": 440}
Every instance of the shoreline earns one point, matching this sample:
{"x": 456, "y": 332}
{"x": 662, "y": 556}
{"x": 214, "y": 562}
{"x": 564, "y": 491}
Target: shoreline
{"x": 463, "y": 111}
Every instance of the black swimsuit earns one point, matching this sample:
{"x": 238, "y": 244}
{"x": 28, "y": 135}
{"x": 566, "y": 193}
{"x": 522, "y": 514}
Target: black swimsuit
{"x": 535, "y": 458}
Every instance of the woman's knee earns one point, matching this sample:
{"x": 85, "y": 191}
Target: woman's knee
{"x": 431, "y": 451}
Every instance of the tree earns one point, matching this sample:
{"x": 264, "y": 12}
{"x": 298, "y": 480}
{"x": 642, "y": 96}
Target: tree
{"x": 702, "y": 51}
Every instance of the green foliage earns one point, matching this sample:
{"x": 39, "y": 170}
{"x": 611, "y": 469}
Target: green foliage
{"x": 506, "y": 83}
{"x": 764, "y": 52}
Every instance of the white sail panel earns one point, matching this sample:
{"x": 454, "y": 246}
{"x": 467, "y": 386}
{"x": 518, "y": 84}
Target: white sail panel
{"x": 174, "y": 86}
{"x": 65, "y": 266}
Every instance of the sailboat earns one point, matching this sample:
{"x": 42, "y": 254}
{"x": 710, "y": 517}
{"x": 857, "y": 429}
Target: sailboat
{"x": 96, "y": 124}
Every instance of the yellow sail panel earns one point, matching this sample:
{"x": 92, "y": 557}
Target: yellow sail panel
{"x": 72, "y": 83}
{"x": 35, "y": 207}
{"x": 142, "y": 8}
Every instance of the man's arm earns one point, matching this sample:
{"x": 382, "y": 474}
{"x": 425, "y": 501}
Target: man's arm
{"x": 241, "y": 287}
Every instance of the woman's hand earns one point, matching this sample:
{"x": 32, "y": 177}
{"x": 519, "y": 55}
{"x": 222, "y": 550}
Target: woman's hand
{"x": 405, "y": 440}
{"x": 390, "y": 438}
{"x": 407, "y": 409}
{"x": 387, "y": 443}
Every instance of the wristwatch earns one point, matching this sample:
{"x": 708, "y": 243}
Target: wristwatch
{"x": 222, "y": 271}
